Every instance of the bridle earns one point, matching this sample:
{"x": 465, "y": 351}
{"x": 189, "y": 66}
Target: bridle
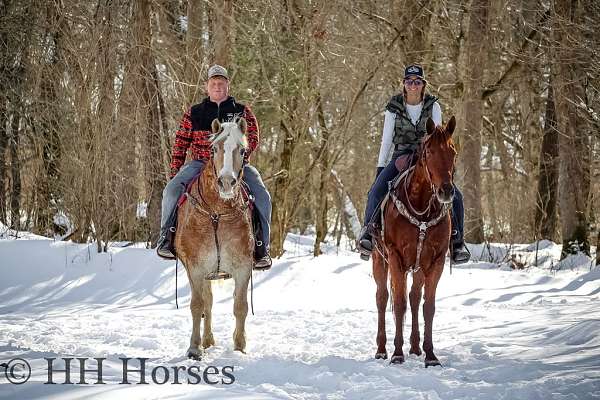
{"x": 422, "y": 158}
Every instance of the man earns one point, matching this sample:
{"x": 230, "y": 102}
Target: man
{"x": 194, "y": 132}
{"x": 404, "y": 126}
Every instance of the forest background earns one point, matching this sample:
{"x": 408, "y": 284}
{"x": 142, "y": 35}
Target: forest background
{"x": 91, "y": 94}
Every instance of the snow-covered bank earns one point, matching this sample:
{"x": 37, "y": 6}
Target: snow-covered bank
{"x": 500, "y": 333}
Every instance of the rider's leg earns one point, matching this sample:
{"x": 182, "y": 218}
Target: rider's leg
{"x": 171, "y": 194}
{"x": 459, "y": 253}
{"x": 374, "y": 199}
{"x": 262, "y": 208}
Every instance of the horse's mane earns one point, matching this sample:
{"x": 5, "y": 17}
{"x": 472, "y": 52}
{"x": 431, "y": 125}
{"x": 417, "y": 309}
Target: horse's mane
{"x": 230, "y": 129}
{"x": 440, "y": 134}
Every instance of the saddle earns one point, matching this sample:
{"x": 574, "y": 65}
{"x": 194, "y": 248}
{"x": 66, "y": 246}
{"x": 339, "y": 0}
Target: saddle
{"x": 404, "y": 164}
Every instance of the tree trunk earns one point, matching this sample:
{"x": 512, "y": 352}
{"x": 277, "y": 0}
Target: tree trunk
{"x": 15, "y": 169}
{"x": 290, "y": 33}
{"x": 574, "y": 140}
{"x": 598, "y": 248}
{"x": 3, "y": 145}
{"x": 321, "y": 211}
{"x": 49, "y": 125}
{"x": 4, "y": 68}
{"x": 280, "y": 193}
{"x": 194, "y": 56}
{"x": 545, "y": 216}
{"x": 349, "y": 212}
{"x": 148, "y": 115}
{"x": 472, "y": 117}
{"x": 223, "y": 31}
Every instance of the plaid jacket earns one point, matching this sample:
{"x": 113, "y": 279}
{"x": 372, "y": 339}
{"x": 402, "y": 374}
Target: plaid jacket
{"x": 195, "y": 130}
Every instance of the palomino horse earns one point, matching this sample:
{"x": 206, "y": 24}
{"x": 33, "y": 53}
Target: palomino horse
{"x": 214, "y": 234}
{"x": 416, "y": 235}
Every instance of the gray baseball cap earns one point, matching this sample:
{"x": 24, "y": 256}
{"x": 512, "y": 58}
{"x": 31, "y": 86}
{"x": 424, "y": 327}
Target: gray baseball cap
{"x": 217, "y": 70}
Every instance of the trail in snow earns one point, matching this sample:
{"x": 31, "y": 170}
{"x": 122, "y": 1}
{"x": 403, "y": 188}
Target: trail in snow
{"x": 500, "y": 333}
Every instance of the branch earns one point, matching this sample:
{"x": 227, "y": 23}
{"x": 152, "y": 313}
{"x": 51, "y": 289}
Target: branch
{"x": 516, "y": 64}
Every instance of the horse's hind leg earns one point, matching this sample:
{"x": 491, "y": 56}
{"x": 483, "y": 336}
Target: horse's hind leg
{"x": 380, "y": 274}
{"x": 431, "y": 282}
{"x": 240, "y": 310}
{"x": 207, "y": 338}
{"x": 197, "y": 308}
{"x": 415, "y": 300}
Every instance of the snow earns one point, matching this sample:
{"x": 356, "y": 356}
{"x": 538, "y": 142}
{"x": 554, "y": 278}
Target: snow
{"x": 501, "y": 333}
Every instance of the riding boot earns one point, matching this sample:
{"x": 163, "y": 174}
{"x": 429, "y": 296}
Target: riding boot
{"x": 264, "y": 263}
{"x": 262, "y": 259}
{"x": 165, "y": 248}
{"x": 460, "y": 253}
{"x": 364, "y": 244}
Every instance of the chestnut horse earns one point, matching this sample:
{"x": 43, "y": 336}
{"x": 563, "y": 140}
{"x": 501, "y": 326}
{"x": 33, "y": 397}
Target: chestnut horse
{"x": 416, "y": 234}
{"x": 214, "y": 234}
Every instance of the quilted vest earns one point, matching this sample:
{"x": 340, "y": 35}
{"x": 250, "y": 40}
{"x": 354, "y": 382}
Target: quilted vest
{"x": 406, "y": 135}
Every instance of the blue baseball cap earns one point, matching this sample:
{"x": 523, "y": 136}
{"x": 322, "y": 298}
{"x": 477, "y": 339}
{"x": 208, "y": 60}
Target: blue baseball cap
{"x": 414, "y": 70}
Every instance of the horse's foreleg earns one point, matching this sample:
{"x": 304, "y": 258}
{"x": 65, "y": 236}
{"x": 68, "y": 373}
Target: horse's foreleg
{"x": 240, "y": 310}
{"x": 196, "y": 307}
{"x": 431, "y": 282}
{"x": 207, "y": 338}
{"x": 415, "y": 300}
{"x": 398, "y": 277}
{"x": 380, "y": 273}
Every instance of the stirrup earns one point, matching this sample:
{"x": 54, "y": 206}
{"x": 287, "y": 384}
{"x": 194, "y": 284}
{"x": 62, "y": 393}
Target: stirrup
{"x": 165, "y": 248}
{"x": 463, "y": 256}
{"x": 216, "y": 275}
{"x": 364, "y": 247}
{"x": 263, "y": 264}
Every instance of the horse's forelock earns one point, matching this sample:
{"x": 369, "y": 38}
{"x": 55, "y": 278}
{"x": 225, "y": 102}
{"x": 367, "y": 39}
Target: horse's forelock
{"x": 229, "y": 129}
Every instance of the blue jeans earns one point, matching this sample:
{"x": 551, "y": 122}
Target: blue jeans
{"x": 177, "y": 185}
{"x": 380, "y": 189}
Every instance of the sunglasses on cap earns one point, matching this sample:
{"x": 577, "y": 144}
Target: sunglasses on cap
{"x": 413, "y": 82}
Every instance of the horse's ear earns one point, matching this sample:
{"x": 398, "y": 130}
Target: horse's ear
{"x": 430, "y": 126}
{"x": 451, "y": 125}
{"x": 216, "y": 125}
{"x": 242, "y": 124}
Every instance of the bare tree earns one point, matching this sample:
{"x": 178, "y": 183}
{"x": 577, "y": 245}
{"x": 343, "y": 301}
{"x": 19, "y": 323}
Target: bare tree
{"x": 472, "y": 117}
{"x": 574, "y": 139}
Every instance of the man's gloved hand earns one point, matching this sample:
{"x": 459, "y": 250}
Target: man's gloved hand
{"x": 379, "y": 169}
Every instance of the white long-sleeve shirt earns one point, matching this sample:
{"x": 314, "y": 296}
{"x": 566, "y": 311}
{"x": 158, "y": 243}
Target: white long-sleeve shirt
{"x": 414, "y": 112}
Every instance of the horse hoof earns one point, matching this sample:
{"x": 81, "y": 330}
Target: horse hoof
{"x": 397, "y": 359}
{"x": 194, "y": 353}
{"x": 416, "y": 352}
{"x": 433, "y": 363}
{"x": 381, "y": 356}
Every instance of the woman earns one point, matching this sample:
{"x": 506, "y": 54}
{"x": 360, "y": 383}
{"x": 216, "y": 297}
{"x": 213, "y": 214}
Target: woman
{"x": 403, "y": 128}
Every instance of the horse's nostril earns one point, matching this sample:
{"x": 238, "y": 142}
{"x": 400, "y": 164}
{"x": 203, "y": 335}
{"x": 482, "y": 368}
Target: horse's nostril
{"x": 220, "y": 182}
{"x": 233, "y": 181}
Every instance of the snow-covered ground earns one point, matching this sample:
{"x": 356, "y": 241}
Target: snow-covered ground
{"x": 500, "y": 333}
